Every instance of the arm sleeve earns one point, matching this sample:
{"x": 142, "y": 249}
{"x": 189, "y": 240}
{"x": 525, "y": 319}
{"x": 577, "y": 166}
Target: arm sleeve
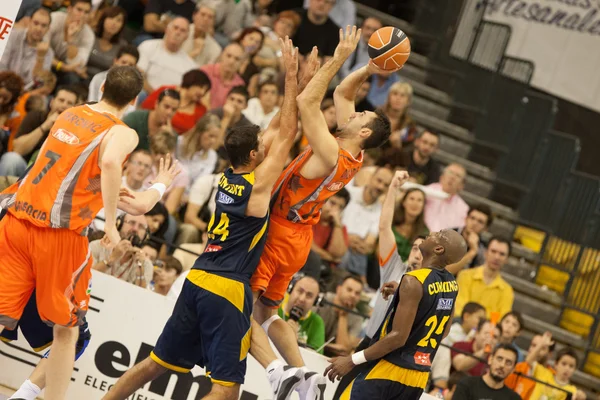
{"x": 387, "y": 266}
{"x": 144, "y": 60}
{"x": 85, "y": 48}
{"x": 7, "y": 56}
{"x": 153, "y": 7}
{"x": 316, "y": 335}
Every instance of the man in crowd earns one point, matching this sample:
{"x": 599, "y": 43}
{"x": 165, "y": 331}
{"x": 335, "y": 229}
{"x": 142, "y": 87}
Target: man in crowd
{"x": 33, "y": 131}
{"x": 341, "y": 326}
{"x": 296, "y": 311}
{"x": 491, "y": 386}
{"x": 317, "y": 29}
{"x": 361, "y": 219}
{"x": 360, "y": 57}
{"x": 484, "y": 284}
{"x": 478, "y": 220}
{"x": 452, "y": 211}
{"x": 163, "y": 61}
{"x": 343, "y": 12}
{"x": 262, "y": 109}
{"x": 126, "y": 261}
{"x": 26, "y": 53}
{"x": 231, "y": 114}
{"x": 419, "y": 161}
{"x": 128, "y": 55}
{"x": 200, "y": 45}
{"x": 167, "y": 271}
{"x": 148, "y": 123}
{"x": 482, "y": 344}
{"x": 224, "y": 75}
{"x": 160, "y": 13}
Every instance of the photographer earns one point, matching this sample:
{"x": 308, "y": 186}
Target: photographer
{"x": 126, "y": 261}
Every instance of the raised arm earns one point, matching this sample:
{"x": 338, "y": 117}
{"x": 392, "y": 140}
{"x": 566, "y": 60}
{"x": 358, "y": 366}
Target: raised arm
{"x": 268, "y": 171}
{"x": 387, "y": 241}
{"x": 314, "y": 126}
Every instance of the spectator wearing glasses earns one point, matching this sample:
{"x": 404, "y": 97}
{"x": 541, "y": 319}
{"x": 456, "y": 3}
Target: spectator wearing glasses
{"x": 360, "y": 57}
{"x": 317, "y": 29}
{"x": 200, "y": 45}
{"x": 452, "y": 211}
{"x": 26, "y": 53}
{"x": 148, "y": 123}
{"x": 126, "y": 56}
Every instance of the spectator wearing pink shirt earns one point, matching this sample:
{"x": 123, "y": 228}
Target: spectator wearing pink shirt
{"x": 451, "y": 212}
{"x": 224, "y": 74}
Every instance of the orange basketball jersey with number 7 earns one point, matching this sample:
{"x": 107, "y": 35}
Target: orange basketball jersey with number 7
{"x": 62, "y": 188}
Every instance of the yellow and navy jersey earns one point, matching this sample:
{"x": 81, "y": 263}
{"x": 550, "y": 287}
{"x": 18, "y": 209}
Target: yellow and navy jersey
{"x": 235, "y": 240}
{"x": 435, "y": 309}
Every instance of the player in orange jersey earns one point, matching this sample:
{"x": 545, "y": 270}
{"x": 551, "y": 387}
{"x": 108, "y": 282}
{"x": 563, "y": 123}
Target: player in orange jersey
{"x": 43, "y": 235}
{"x": 325, "y": 167}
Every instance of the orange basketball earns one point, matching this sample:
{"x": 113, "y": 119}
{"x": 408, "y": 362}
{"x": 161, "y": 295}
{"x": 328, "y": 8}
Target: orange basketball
{"x": 389, "y": 48}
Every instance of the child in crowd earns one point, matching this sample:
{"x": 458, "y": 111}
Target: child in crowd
{"x": 510, "y": 328}
{"x": 459, "y": 331}
{"x": 564, "y": 366}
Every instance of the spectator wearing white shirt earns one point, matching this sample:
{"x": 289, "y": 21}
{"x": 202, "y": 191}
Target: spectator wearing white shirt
{"x": 343, "y": 13}
{"x": 128, "y": 55}
{"x": 360, "y": 57}
{"x": 163, "y": 61}
{"x": 200, "y": 45}
{"x": 195, "y": 148}
{"x": 262, "y": 109}
{"x": 361, "y": 219}
{"x": 72, "y": 41}
{"x": 201, "y": 205}
{"x": 450, "y": 212}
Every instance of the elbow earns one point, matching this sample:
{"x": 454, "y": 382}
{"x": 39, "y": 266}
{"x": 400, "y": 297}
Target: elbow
{"x": 109, "y": 164}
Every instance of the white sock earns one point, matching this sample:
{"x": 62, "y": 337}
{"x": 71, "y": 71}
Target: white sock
{"x": 27, "y": 391}
{"x": 273, "y": 366}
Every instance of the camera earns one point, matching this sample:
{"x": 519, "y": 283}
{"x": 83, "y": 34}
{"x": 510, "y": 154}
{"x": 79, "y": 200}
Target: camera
{"x": 136, "y": 241}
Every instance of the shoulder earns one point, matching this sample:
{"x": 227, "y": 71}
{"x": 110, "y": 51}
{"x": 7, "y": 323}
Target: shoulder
{"x": 88, "y": 33}
{"x": 419, "y": 274}
{"x": 149, "y": 45}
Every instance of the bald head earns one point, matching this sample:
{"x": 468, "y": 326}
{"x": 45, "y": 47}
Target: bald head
{"x": 443, "y": 248}
{"x": 176, "y": 33}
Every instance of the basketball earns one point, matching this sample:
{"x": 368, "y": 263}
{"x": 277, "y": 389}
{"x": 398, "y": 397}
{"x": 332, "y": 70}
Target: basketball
{"x": 389, "y": 48}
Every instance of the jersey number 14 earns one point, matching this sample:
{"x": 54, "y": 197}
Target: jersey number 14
{"x": 222, "y": 227}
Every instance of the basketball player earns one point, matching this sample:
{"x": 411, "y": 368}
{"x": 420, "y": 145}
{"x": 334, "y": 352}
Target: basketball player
{"x": 401, "y": 351}
{"x": 43, "y": 236}
{"x": 211, "y": 323}
{"x": 325, "y": 167}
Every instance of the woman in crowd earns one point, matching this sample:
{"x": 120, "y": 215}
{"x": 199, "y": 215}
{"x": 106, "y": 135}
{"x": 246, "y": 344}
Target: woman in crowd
{"x": 11, "y": 86}
{"x": 195, "y": 148}
{"x": 251, "y": 39}
{"x": 286, "y": 24}
{"x": 108, "y": 40}
{"x": 158, "y": 224}
{"x": 409, "y": 221}
{"x": 404, "y": 130}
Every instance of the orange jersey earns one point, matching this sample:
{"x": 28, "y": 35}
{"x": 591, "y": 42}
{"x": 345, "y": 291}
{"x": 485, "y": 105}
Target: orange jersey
{"x": 62, "y": 188}
{"x": 298, "y": 199}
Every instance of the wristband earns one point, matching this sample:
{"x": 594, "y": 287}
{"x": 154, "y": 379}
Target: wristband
{"x": 59, "y": 65}
{"x": 160, "y": 188}
{"x": 359, "y": 358}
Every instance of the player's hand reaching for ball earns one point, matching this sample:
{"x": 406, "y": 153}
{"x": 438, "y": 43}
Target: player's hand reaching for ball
{"x": 400, "y": 178}
{"x": 348, "y": 42}
{"x": 289, "y": 55}
{"x": 373, "y": 69}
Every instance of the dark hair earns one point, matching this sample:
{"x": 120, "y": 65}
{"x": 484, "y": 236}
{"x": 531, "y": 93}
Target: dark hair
{"x": 268, "y": 82}
{"x": 515, "y": 314}
{"x": 241, "y": 90}
{"x": 144, "y": 152}
{"x": 44, "y": 10}
{"x": 567, "y": 351}
{"x": 171, "y": 262}
{"x": 122, "y": 85}
{"x": 14, "y": 84}
{"x": 471, "y": 308}
{"x": 128, "y": 49}
{"x": 419, "y": 226}
{"x": 239, "y": 142}
{"x": 344, "y": 194}
{"x": 456, "y": 377}
{"x": 507, "y": 347}
{"x": 172, "y": 93}
{"x": 71, "y": 89}
{"x": 159, "y": 209}
{"x": 34, "y": 103}
{"x": 74, "y": 2}
{"x": 501, "y": 239}
{"x": 381, "y": 131}
{"x": 249, "y": 31}
{"x": 353, "y": 277}
{"x": 482, "y": 323}
{"x": 111, "y": 12}
{"x": 195, "y": 77}
{"x": 420, "y": 135}
{"x": 484, "y": 209}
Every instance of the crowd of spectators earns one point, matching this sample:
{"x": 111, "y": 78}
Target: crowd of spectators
{"x": 210, "y": 65}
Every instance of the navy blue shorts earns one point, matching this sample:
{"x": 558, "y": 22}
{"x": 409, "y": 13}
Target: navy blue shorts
{"x": 38, "y": 334}
{"x": 210, "y": 327}
{"x": 386, "y": 381}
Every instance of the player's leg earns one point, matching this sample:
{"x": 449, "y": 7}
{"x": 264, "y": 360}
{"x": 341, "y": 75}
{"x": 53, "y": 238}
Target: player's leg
{"x": 134, "y": 379}
{"x": 219, "y": 392}
{"x": 60, "y": 362}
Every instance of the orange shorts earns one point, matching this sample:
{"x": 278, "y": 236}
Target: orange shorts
{"x": 286, "y": 250}
{"x": 55, "y": 262}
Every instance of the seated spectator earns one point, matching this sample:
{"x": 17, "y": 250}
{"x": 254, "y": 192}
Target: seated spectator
{"x": 484, "y": 341}
{"x": 565, "y": 365}
{"x": 231, "y": 113}
{"x": 158, "y": 14}
{"x": 11, "y": 86}
{"x": 448, "y": 393}
{"x": 231, "y": 17}
{"x": 108, "y": 40}
{"x": 150, "y": 252}
{"x": 72, "y": 41}
{"x": 404, "y": 129}
{"x": 361, "y": 219}
{"x": 165, "y": 275}
{"x": 360, "y": 57}
{"x": 510, "y": 327}
{"x": 224, "y": 74}
{"x": 450, "y": 212}
{"x": 262, "y": 109}
{"x": 418, "y": 161}
{"x": 126, "y": 261}
{"x": 158, "y": 223}
{"x": 409, "y": 221}
{"x": 194, "y": 85}
{"x": 296, "y": 311}
{"x": 147, "y": 123}
{"x": 33, "y": 132}
{"x": 491, "y": 385}
{"x": 317, "y": 29}
{"x": 251, "y": 40}
{"x": 200, "y": 207}
{"x": 195, "y": 149}
{"x": 362, "y": 103}
{"x": 381, "y": 86}
{"x": 339, "y": 324}
{"x": 162, "y": 61}
{"x": 478, "y": 220}
{"x": 484, "y": 284}
{"x": 200, "y": 45}
{"x": 26, "y": 53}
{"x": 535, "y": 363}
{"x": 343, "y": 13}
{"x": 285, "y": 24}
{"x": 126, "y": 56}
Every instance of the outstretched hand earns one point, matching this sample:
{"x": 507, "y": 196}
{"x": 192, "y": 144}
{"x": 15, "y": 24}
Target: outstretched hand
{"x": 374, "y": 69}
{"x": 348, "y": 42}
{"x": 400, "y": 178}
{"x": 289, "y": 55}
